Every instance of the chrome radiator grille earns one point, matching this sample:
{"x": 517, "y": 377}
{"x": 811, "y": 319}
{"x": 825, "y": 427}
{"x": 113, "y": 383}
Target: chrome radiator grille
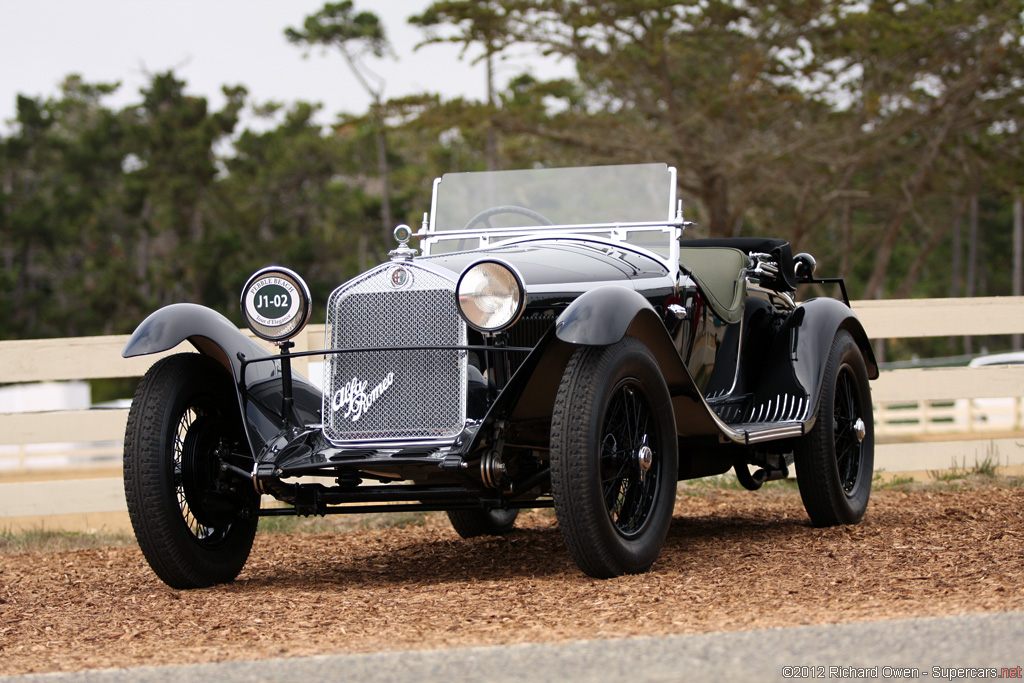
{"x": 394, "y": 396}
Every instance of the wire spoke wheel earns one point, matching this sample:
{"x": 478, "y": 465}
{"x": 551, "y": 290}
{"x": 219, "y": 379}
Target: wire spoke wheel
{"x": 849, "y": 444}
{"x": 200, "y": 432}
{"x": 835, "y": 459}
{"x": 198, "y": 531}
{"x": 629, "y": 471}
{"x": 194, "y": 528}
{"x": 613, "y": 458}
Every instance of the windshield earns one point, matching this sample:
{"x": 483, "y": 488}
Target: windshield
{"x": 632, "y": 204}
{"x": 597, "y": 195}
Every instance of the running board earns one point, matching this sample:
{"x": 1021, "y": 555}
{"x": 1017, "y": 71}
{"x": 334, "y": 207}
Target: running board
{"x": 756, "y": 433}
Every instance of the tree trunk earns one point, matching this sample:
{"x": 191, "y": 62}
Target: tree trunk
{"x": 364, "y": 253}
{"x": 910, "y": 280}
{"x": 1018, "y": 256}
{"x": 387, "y": 226}
{"x": 875, "y": 287}
{"x": 377, "y": 117}
{"x": 920, "y": 179}
{"x": 957, "y": 265}
{"x": 715, "y": 193}
{"x": 144, "y": 253}
{"x": 970, "y": 286}
{"x": 844, "y": 232}
{"x": 491, "y": 138}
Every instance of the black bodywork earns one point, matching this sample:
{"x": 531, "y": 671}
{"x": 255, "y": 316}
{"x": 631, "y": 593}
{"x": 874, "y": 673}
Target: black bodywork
{"x": 744, "y": 365}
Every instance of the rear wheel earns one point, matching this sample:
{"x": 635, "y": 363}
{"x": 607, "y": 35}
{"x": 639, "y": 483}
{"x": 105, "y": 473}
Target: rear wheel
{"x": 472, "y": 523}
{"x": 613, "y": 458}
{"x": 835, "y": 460}
{"x": 194, "y": 528}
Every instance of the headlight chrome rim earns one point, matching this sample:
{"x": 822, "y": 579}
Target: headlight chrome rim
{"x": 275, "y": 303}
{"x": 485, "y": 314}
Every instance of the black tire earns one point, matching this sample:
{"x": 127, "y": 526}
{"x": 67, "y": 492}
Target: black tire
{"x": 473, "y": 523}
{"x": 192, "y": 534}
{"x": 835, "y": 460}
{"x": 613, "y": 458}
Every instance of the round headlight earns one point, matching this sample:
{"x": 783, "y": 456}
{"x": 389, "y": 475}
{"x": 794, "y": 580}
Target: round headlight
{"x": 275, "y": 304}
{"x": 490, "y": 295}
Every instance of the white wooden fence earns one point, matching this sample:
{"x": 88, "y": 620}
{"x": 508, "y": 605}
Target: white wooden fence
{"x": 64, "y": 464}
{"x": 927, "y": 418}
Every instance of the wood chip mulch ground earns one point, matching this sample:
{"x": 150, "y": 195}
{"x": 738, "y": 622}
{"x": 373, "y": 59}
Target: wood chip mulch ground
{"x": 734, "y": 560}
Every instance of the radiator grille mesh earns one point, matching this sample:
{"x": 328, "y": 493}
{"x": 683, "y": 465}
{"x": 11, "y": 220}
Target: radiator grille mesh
{"x": 399, "y": 396}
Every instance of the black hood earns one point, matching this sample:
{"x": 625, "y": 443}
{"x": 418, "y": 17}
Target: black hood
{"x": 562, "y": 261}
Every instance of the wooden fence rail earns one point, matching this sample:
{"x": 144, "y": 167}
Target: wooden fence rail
{"x": 923, "y": 417}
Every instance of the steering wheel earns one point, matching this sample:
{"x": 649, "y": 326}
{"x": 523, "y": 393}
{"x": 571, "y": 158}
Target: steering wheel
{"x": 484, "y": 215}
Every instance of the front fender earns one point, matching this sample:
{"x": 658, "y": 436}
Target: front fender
{"x": 207, "y": 330}
{"x": 601, "y": 316}
{"x": 213, "y": 335}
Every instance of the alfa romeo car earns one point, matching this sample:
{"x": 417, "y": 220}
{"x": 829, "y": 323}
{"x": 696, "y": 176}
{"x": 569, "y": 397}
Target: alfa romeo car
{"x": 552, "y": 341}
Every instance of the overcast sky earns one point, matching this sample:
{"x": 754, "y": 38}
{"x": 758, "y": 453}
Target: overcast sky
{"x": 221, "y": 42}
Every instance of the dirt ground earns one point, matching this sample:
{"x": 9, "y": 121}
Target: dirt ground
{"x": 734, "y": 560}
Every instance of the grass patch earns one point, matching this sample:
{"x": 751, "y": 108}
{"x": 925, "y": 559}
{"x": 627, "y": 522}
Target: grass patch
{"x": 987, "y": 467}
{"x": 879, "y": 481}
{"x": 706, "y": 485}
{"x": 47, "y": 540}
{"x": 726, "y": 482}
{"x": 335, "y": 523}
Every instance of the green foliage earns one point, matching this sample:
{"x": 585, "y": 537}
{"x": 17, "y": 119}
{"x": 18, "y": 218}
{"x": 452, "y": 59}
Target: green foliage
{"x": 467, "y": 22}
{"x": 107, "y": 215}
{"x": 355, "y": 35}
{"x": 42, "y": 540}
{"x": 340, "y": 523}
{"x": 727, "y": 482}
{"x": 879, "y": 481}
{"x": 899, "y": 482}
{"x": 987, "y": 467}
{"x": 290, "y": 196}
{"x": 57, "y": 171}
{"x": 337, "y": 24}
{"x": 849, "y": 129}
{"x": 858, "y": 131}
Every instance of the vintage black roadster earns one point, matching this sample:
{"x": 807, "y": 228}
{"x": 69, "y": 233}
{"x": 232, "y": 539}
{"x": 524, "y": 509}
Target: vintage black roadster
{"x": 557, "y": 344}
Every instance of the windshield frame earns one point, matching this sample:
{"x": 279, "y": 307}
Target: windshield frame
{"x": 618, "y": 232}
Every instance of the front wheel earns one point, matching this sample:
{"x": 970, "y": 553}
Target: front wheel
{"x": 835, "y": 460}
{"x": 195, "y": 528}
{"x": 613, "y": 458}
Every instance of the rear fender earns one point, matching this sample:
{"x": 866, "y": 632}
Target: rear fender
{"x": 796, "y": 362}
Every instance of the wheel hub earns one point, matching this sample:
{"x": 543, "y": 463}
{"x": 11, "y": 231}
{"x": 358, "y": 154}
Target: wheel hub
{"x": 860, "y": 429}
{"x": 199, "y": 470}
{"x": 644, "y": 458}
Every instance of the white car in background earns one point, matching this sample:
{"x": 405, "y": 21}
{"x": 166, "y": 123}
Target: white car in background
{"x": 994, "y": 414}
